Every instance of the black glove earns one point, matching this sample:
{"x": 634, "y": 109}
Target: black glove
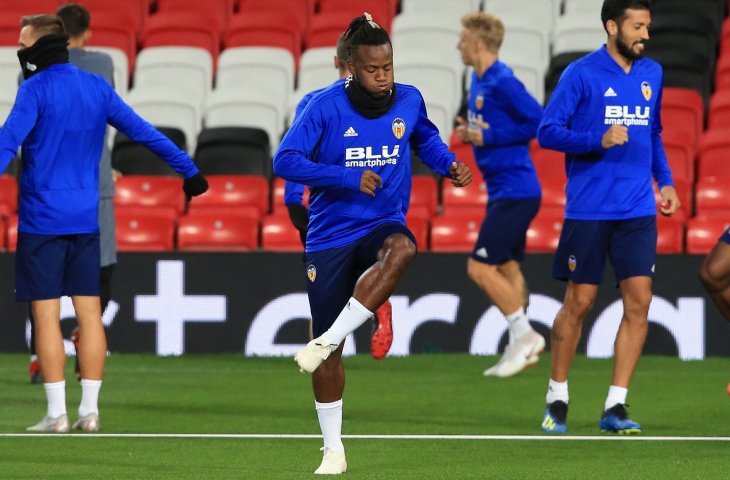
{"x": 195, "y": 185}
{"x": 299, "y": 216}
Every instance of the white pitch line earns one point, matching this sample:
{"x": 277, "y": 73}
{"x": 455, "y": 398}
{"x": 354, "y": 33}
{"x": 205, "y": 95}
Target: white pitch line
{"x": 596, "y": 438}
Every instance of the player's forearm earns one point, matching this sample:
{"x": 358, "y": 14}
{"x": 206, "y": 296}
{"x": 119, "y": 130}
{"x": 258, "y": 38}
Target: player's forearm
{"x": 293, "y": 166}
{"x": 556, "y": 137}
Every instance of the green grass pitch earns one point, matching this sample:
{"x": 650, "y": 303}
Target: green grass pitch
{"x": 418, "y": 395}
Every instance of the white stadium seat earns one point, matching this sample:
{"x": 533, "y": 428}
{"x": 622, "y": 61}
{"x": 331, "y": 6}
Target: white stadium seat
{"x": 165, "y": 107}
{"x": 236, "y": 108}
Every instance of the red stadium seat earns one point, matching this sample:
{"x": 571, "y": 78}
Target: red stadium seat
{"x": 680, "y": 158}
{"x": 150, "y": 192}
{"x": 117, "y": 30}
{"x": 138, "y": 12}
{"x": 713, "y": 195}
{"x": 302, "y": 10}
{"x": 670, "y": 235}
{"x": 549, "y": 163}
{"x": 713, "y": 154}
{"x": 215, "y": 231}
{"x": 683, "y": 110}
{"x": 266, "y": 29}
{"x": 419, "y": 227}
{"x": 325, "y": 28}
{"x": 9, "y": 30}
{"x": 279, "y": 234}
{"x": 278, "y": 195}
{"x": 381, "y": 10}
{"x": 719, "y": 116}
{"x": 234, "y": 191}
{"x": 27, "y": 7}
{"x": 220, "y": 9}
{"x": 8, "y": 195}
{"x": 144, "y": 232}
{"x": 703, "y": 233}
{"x": 184, "y": 29}
{"x": 424, "y": 192}
{"x": 473, "y": 196}
{"x": 553, "y": 192}
{"x": 12, "y": 235}
{"x": 722, "y": 73}
{"x": 166, "y": 212}
{"x": 3, "y": 233}
{"x": 454, "y": 233}
{"x": 464, "y": 153}
{"x": 544, "y": 234}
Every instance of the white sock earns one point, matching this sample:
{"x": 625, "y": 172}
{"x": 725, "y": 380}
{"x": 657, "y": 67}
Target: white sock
{"x": 518, "y": 324}
{"x": 557, "y": 391}
{"x": 615, "y": 395}
{"x": 351, "y": 317}
{"x": 89, "y": 397}
{"x": 33, "y": 358}
{"x": 56, "y": 395}
{"x": 330, "y": 422}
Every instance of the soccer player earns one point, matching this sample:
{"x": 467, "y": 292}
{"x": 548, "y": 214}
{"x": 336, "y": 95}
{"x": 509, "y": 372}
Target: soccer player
{"x": 502, "y": 119}
{"x": 605, "y": 116}
{"x": 715, "y": 274}
{"x": 382, "y": 336}
{"x": 349, "y": 145}
{"x": 76, "y": 21}
{"x": 60, "y": 117}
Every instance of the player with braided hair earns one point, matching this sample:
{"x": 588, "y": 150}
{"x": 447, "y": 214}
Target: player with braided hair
{"x": 351, "y": 144}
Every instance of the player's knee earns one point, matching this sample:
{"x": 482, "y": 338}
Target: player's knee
{"x": 710, "y": 277}
{"x": 402, "y": 249}
{"x": 580, "y": 304}
{"x": 479, "y": 271}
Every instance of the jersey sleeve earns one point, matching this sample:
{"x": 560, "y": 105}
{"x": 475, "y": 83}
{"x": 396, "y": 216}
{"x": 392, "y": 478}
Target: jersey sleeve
{"x": 122, "y": 117}
{"x": 659, "y": 165}
{"x": 427, "y": 143}
{"x": 525, "y": 112}
{"x": 554, "y": 131}
{"x": 18, "y": 125}
{"x": 293, "y": 159}
{"x": 293, "y": 193}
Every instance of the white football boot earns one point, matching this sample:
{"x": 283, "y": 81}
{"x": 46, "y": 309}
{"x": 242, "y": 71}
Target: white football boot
{"x": 519, "y": 355}
{"x": 89, "y": 423}
{"x": 333, "y": 463}
{"x": 51, "y": 425}
{"x": 312, "y": 356}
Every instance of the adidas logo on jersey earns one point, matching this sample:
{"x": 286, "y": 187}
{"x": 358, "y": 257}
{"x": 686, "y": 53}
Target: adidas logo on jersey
{"x": 350, "y": 132}
{"x": 609, "y": 93}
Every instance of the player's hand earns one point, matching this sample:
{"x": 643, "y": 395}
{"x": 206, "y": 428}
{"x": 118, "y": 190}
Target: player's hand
{"x": 670, "y": 201}
{"x": 616, "y": 135}
{"x": 369, "y": 182}
{"x": 460, "y": 174}
{"x": 195, "y": 185}
{"x": 462, "y": 129}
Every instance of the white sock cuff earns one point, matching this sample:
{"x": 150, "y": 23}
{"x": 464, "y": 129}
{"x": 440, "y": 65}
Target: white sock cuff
{"x": 55, "y": 385}
{"x": 327, "y": 406}
{"x": 90, "y": 383}
{"x": 616, "y": 395}
{"x": 359, "y": 307}
{"x": 516, "y": 315}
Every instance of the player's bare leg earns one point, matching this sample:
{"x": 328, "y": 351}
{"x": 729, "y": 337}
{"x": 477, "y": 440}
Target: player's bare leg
{"x": 636, "y": 295}
{"x": 715, "y": 276}
{"x": 52, "y": 357}
{"x": 505, "y": 285}
{"x": 568, "y": 326}
{"x": 92, "y": 356}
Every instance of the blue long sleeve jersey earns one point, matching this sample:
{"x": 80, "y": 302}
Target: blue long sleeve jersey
{"x": 294, "y": 192}
{"x": 329, "y": 147}
{"x": 60, "y": 117}
{"x": 500, "y": 99}
{"x": 594, "y": 93}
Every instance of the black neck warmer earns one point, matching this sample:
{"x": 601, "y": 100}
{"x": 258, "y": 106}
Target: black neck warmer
{"x": 46, "y": 51}
{"x": 367, "y": 105}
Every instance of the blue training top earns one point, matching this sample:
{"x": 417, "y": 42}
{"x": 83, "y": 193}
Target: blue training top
{"x": 594, "y": 93}
{"x": 331, "y": 144}
{"x": 59, "y": 118}
{"x": 513, "y": 115}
